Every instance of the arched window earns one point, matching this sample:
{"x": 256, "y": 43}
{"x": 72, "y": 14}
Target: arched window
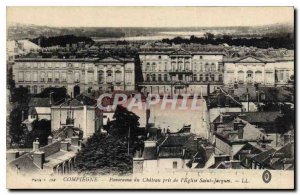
{"x": 200, "y": 77}
{"x": 154, "y": 77}
{"x": 148, "y": 66}
{"x": 100, "y": 76}
{"x": 207, "y": 67}
{"x": 159, "y": 77}
{"x": 147, "y": 77}
{"x": 213, "y": 67}
{"x": 109, "y": 76}
{"x": 153, "y": 66}
{"x": 165, "y": 77}
{"x": 194, "y": 77}
{"x": 207, "y": 77}
{"x": 212, "y": 77}
{"x": 220, "y": 77}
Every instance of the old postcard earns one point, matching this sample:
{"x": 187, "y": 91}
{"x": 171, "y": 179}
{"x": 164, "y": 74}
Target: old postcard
{"x": 150, "y": 98}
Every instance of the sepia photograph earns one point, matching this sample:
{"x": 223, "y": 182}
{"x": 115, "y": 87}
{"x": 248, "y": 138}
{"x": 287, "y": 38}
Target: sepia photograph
{"x": 150, "y": 97}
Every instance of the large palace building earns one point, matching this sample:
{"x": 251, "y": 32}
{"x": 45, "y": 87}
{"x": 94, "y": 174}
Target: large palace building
{"x": 171, "y": 72}
{"x": 250, "y": 70}
{"x": 75, "y": 74}
{"x": 180, "y": 71}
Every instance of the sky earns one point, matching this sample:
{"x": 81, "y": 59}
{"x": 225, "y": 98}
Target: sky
{"x": 149, "y": 16}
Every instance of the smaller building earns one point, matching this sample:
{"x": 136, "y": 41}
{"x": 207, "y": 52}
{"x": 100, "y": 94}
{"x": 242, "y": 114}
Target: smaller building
{"x": 77, "y": 113}
{"x": 58, "y": 157}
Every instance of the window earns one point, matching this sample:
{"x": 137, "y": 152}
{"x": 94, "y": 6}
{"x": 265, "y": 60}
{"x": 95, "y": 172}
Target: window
{"x": 174, "y": 165}
{"x": 147, "y": 77}
{"x": 212, "y": 77}
{"x": 109, "y": 77}
{"x": 194, "y": 77}
{"x": 165, "y": 77}
{"x": 148, "y": 66}
{"x": 76, "y": 77}
{"x": 207, "y": 77}
{"x": 241, "y": 76}
{"x": 49, "y": 76}
{"x": 129, "y": 77}
{"x": 42, "y": 65}
{"x": 258, "y": 76}
{"x": 213, "y": 67}
{"x": 56, "y": 75}
{"x": 153, "y": 66}
{"x": 159, "y": 57}
{"x": 90, "y": 77}
{"x": 35, "y": 89}
{"x": 49, "y": 65}
{"x": 220, "y": 77}
{"x": 64, "y": 76}
{"x": 35, "y": 76}
{"x": 200, "y": 57}
{"x": 28, "y": 65}
{"x": 42, "y": 76}
{"x": 200, "y": 77}
{"x": 57, "y": 65}
{"x": 42, "y": 88}
{"x": 35, "y": 65}
{"x": 118, "y": 76}
{"x": 64, "y": 65}
{"x": 21, "y": 76}
{"x": 207, "y": 68}
{"x": 154, "y": 77}
{"x": 159, "y": 77}
{"x": 100, "y": 76}
{"x": 27, "y": 76}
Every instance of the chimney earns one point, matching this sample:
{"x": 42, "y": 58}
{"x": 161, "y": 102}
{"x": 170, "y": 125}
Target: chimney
{"x": 240, "y": 131}
{"x": 50, "y": 139}
{"x": 12, "y": 155}
{"x": 221, "y": 117}
{"x": 36, "y": 145}
{"x": 64, "y": 145}
{"x": 236, "y": 123}
{"x": 39, "y": 158}
{"x": 75, "y": 141}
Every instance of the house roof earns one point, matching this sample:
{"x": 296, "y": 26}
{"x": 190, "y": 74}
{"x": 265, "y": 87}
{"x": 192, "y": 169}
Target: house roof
{"x": 72, "y": 103}
{"x": 251, "y": 117}
{"x": 39, "y": 102}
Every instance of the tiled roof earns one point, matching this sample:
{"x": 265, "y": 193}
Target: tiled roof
{"x": 251, "y": 117}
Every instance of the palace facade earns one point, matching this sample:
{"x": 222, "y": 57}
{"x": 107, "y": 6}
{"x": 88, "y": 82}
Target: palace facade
{"x": 75, "y": 74}
{"x": 180, "y": 72}
{"x": 250, "y": 70}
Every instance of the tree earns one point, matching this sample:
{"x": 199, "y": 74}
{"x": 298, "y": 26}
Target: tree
{"x": 104, "y": 154}
{"x": 57, "y": 93}
{"x": 41, "y": 129}
{"x": 20, "y": 95}
{"x": 124, "y": 120}
{"x": 16, "y": 128}
{"x": 285, "y": 122}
